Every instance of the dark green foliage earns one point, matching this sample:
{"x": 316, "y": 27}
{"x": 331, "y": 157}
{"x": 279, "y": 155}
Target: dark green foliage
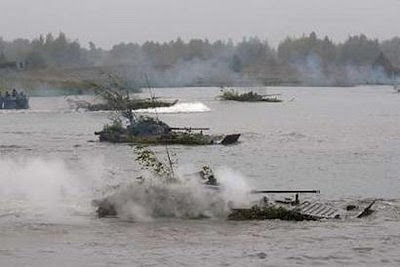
{"x": 308, "y": 59}
{"x": 2, "y": 57}
{"x": 391, "y": 48}
{"x": 358, "y": 50}
{"x": 298, "y": 50}
{"x": 236, "y": 64}
{"x": 148, "y": 160}
{"x": 52, "y": 52}
{"x": 133, "y": 104}
{"x": 114, "y": 92}
{"x": 246, "y": 97}
{"x": 140, "y": 129}
{"x": 116, "y": 127}
{"x": 36, "y": 60}
{"x": 122, "y": 135}
{"x": 236, "y": 96}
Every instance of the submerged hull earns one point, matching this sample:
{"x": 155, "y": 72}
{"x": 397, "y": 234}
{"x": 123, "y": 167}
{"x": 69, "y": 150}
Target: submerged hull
{"x": 272, "y": 100}
{"x": 298, "y": 211}
{"x": 264, "y": 99}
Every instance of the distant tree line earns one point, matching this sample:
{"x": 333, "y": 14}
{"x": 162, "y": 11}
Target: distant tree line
{"x": 306, "y": 60}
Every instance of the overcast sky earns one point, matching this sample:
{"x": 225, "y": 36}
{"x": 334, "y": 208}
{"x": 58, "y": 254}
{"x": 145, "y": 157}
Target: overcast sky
{"x": 107, "y": 22}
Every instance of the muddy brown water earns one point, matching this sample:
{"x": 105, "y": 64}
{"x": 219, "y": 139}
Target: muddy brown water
{"x": 342, "y": 141}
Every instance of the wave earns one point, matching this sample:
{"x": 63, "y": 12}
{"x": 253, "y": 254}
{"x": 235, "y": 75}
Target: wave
{"x": 178, "y": 108}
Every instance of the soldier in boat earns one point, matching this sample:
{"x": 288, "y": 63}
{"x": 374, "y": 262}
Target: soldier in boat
{"x": 14, "y": 93}
{"x": 8, "y": 101}
{"x": 14, "y": 100}
{"x": 22, "y": 101}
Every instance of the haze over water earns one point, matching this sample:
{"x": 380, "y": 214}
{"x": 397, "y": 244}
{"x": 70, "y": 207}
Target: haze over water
{"x": 343, "y": 141}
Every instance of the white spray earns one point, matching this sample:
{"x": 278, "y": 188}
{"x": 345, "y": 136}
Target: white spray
{"x": 187, "y": 199}
{"x": 38, "y": 187}
{"x": 50, "y": 190}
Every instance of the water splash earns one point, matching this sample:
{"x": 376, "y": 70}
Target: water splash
{"x": 38, "y": 187}
{"x": 52, "y": 190}
{"x": 188, "y": 199}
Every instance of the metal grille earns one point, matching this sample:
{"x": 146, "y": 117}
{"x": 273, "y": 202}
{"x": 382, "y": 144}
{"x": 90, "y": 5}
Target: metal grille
{"x": 317, "y": 209}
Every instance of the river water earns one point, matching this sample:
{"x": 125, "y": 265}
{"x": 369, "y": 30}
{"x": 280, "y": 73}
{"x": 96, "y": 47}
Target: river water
{"x": 342, "y": 141}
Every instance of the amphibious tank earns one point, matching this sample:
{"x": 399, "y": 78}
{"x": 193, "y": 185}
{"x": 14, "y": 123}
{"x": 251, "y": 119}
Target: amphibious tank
{"x": 134, "y": 104}
{"x": 147, "y": 130}
{"x": 248, "y": 97}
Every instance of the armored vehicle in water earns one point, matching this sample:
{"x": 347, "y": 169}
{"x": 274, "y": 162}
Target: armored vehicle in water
{"x": 248, "y": 97}
{"x": 288, "y": 209}
{"x": 147, "y": 130}
{"x": 133, "y": 104}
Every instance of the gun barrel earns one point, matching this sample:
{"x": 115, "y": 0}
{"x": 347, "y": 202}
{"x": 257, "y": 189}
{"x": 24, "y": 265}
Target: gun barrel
{"x": 285, "y": 191}
{"x": 189, "y": 128}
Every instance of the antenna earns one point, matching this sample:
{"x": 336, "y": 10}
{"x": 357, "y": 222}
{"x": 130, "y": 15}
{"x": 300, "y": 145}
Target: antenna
{"x": 155, "y": 112}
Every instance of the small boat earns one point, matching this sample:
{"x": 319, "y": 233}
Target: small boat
{"x": 14, "y": 101}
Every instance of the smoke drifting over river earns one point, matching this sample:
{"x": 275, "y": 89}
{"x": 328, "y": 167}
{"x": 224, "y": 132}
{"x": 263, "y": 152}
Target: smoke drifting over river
{"x": 39, "y": 187}
{"x": 49, "y": 188}
{"x": 57, "y": 62}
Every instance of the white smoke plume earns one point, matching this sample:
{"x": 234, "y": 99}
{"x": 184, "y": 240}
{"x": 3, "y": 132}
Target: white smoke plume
{"x": 50, "y": 190}
{"x": 39, "y": 187}
{"x": 188, "y": 199}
